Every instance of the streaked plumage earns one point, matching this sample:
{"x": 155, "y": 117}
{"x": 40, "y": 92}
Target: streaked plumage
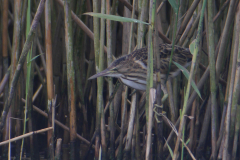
{"x": 132, "y": 69}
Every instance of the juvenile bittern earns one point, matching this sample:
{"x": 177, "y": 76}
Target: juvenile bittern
{"x": 131, "y": 69}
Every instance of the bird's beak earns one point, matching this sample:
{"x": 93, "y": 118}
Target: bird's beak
{"x": 100, "y": 74}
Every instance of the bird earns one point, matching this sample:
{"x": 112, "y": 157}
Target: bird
{"x": 131, "y": 69}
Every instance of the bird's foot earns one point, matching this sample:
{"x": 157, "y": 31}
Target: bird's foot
{"x": 157, "y": 113}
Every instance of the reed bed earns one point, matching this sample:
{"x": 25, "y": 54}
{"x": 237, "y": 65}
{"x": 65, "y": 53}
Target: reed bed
{"x": 53, "y": 111}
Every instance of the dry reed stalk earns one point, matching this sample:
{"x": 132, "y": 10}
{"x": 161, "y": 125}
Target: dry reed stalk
{"x": 58, "y": 149}
{"x": 152, "y": 95}
{"x": 25, "y": 135}
{"x": 70, "y": 77}
{"x": 49, "y": 75}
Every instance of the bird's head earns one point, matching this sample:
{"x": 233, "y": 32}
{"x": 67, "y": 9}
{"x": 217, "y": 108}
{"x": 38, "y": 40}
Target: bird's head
{"x": 116, "y": 69}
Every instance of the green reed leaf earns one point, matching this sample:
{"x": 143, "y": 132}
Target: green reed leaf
{"x": 192, "y": 46}
{"x": 115, "y": 18}
{"x": 186, "y": 74}
{"x": 169, "y": 148}
{"x": 174, "y": 5}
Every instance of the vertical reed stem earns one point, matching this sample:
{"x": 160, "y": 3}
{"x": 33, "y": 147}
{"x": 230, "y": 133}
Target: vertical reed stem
{"x": 211, "y": 48}
{"x": 100, "y": 85}
{"x": 50, "y": 91}
{"x": 70, "y": 77}
{"x": 110, "y": 83}
{"x": 99, "y": 79}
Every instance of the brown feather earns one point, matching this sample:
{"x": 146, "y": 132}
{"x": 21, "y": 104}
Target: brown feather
{"x": 132, "y": 68}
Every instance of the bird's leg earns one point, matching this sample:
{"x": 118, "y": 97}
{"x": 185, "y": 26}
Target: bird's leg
{"x": 157, "y": 112}
{"x": 165, "y": 93}
{"x": 157, "y": 107}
